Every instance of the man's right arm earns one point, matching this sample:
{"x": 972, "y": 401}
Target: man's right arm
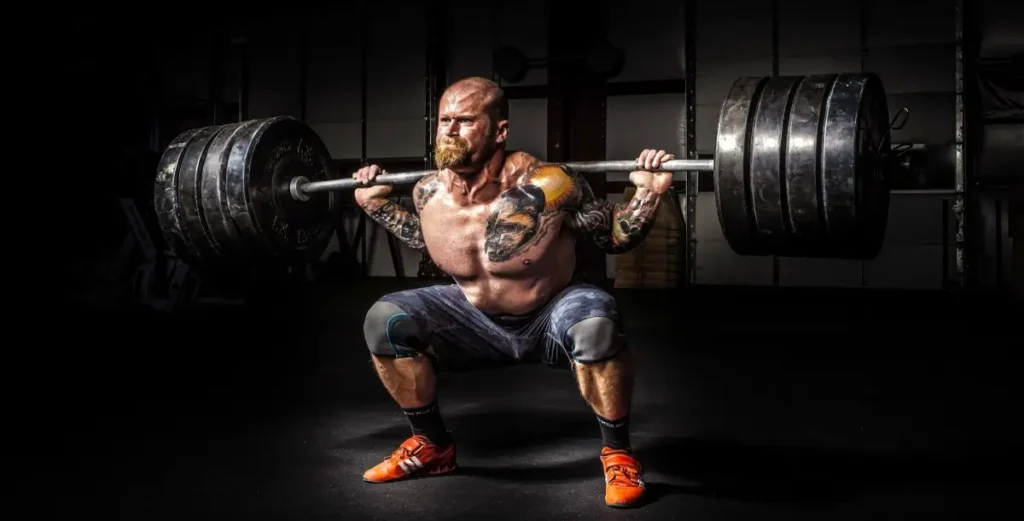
{"x": 392, "y": 216}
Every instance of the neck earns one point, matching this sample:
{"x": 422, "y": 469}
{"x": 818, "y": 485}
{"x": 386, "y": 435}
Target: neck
{"x": 478, "y": 187}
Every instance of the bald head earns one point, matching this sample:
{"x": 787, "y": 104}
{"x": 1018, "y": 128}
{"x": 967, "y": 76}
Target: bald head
{"x": 478, "y": 92}
{"x": 472, "y": 125}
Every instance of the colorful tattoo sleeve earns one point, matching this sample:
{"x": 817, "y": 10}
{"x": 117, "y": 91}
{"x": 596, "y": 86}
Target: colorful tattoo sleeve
{"x": 615, "y": 228}
{"x": 401, "y": 222}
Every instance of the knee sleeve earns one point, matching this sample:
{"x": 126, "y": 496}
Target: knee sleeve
{"x": 595, "y": 339}
{"x": 389, "y": 331}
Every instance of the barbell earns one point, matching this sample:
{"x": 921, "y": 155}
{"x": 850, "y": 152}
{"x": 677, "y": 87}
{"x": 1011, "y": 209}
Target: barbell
{"x": 800, "y": 170}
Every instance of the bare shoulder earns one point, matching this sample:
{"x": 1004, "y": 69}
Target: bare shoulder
{"x": 425, "y": 190}
{"x": 561, "y": 188}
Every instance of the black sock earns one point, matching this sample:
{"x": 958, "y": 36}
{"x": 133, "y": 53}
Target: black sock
{"x": 615, "y": 434}
{"x": 427, "y": 421}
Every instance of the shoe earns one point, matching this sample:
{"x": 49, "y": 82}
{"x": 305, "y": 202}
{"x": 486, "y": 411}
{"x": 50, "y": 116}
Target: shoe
{"x": 416, "y": 456}
{"x": 623, "y": 478}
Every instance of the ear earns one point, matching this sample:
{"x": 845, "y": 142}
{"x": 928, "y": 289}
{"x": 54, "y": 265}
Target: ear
{"x": 502, "y": 134}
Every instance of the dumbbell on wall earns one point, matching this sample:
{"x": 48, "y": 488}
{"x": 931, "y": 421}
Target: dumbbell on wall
{"x": 801, "y": 169}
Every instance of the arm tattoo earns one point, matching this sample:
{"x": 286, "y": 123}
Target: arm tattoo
{"x": 616, "y": 228}
{"x": 401, "y": 222}
{"x": 425, "y": 189}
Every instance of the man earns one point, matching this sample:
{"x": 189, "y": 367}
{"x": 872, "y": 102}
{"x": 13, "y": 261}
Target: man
{"x": 504, "y": 226}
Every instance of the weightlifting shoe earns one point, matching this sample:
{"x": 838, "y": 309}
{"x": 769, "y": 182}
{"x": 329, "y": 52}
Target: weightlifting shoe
{"x": 415, "y": 457}
{"x": 623, "y": 478}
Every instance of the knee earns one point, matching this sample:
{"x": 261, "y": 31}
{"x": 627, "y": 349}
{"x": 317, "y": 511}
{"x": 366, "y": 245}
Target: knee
{"x": 390, "y": 331}
{"x": 595, "y": 339}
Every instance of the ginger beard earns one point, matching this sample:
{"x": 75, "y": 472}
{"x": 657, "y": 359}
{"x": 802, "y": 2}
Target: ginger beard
{"x": 451, "y": 152}
{"x": 455, "y": 152}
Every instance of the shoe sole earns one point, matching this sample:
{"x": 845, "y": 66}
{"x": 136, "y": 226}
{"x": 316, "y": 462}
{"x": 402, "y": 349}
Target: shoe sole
{"x": 419, "y": 474}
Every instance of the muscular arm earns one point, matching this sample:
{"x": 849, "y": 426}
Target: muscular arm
{"x": 397, "y": 220}
{"x": 615, "y": 228}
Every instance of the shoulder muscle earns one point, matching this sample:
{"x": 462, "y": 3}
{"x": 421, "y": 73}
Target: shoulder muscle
{"x": 560, "y": 188}
{"x": 425, "y": 190}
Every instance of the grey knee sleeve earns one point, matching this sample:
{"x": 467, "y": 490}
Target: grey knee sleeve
{"x": 389, "y": 331}
{"x": 595, "y": 339}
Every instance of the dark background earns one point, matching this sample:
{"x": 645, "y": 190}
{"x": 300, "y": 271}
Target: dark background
{"x": 771, "y": 388}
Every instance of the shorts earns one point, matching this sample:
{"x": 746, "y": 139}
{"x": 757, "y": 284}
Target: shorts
{"x": 462, "y": 337}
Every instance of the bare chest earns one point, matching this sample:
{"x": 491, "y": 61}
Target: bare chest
{"x": 508, "y": 237}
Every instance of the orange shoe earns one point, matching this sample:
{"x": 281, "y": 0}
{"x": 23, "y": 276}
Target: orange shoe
{"x": 623, "y": 478}
{"x": 416, "y": 456}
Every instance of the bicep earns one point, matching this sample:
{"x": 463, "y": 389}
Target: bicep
{"x": 590, "y": 214}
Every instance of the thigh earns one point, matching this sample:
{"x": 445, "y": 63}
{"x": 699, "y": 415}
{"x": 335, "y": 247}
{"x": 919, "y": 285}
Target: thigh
{"x": 573, "y": 305}
{"x": 457, "y": 335}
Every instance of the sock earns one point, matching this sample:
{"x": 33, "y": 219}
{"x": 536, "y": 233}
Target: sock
{"x": 615, "y": 434}
{"x": 427, "y": 421}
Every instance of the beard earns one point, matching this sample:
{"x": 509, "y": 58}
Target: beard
{"x": 451, "y": 152}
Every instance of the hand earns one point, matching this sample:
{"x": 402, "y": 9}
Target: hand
{"x": 366, "y": 175}
{"x": 649, "y": 177}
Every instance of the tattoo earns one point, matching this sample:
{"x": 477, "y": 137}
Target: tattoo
{"x": 402, "y": 223}
{"x": 522, "y": 214}
{"x": 615, "y": 228}
{"x": 425, "y": 189}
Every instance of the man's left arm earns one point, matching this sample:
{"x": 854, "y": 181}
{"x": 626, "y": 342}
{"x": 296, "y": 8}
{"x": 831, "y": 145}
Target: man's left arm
{"x": 618, "y": 228}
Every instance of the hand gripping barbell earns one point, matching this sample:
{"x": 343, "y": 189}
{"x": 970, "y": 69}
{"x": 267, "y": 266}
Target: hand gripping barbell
{"x": 800, "y": 170}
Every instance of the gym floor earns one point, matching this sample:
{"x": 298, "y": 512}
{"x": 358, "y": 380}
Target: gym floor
{"x": 750, "y": 404}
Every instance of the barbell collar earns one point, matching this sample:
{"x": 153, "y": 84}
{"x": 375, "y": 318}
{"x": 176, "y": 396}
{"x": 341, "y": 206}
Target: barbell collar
{"x": 299, "y": 187}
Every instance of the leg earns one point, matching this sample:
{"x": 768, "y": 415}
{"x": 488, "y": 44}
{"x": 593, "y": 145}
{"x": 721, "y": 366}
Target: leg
{"x": 586, "y": 324}
{"x": 604, "y": 372}
{"x": 409, "y": 334}
{"x": 397, "y": 350}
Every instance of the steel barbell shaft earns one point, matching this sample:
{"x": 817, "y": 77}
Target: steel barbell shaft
{"x": 301, "y": 186}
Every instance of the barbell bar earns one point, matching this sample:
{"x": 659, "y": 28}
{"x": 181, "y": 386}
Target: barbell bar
{"x": 800, "y": 170}
{"x": 300, "y": 186}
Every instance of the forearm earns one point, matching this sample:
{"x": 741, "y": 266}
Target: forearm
{"x": 395, "y": 219}
{"x": 629, "y": 222}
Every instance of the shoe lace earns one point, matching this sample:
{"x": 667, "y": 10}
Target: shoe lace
{"x": 621, "y": 473}
{"x": 403, "y": 452}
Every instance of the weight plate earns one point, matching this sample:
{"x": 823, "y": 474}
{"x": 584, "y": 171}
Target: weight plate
{"x": 874, "y": 202}
{"x": 768, "y": 139}
{"x": 166, "y": 201}
{"x": 190, "y": 179}
{"x": 851, "y": 195}
{"x": 732, "y": 172}
{"x": 262, "y": 164}
{"x": 221, "y": 227}
{"x": 803, "y": 167}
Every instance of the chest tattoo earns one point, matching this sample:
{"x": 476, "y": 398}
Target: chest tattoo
{"x": 522, "y": 215}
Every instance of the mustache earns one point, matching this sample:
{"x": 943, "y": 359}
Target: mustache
{"x": 448, "y": 141}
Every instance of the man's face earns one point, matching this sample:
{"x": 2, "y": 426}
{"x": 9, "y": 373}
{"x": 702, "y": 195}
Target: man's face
{"x": 467, "y": 133}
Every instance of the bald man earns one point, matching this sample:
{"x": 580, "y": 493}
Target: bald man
{"x": 504, "y": 225}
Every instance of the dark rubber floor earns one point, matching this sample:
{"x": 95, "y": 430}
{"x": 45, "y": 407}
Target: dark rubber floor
{"x": 750, "y": 405}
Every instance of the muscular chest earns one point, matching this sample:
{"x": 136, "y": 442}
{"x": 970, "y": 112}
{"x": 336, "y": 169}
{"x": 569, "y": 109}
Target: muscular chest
{"x": 510, "y": 234}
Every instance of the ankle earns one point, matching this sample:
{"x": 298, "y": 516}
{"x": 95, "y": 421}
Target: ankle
{"x": 615, "y": 433}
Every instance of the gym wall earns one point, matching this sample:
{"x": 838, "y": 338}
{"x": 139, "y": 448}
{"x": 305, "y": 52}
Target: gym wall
{"x": 909, "y": 43}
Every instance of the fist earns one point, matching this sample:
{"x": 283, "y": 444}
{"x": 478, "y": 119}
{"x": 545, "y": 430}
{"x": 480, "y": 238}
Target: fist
{"x": 649, "y": 177}
{"x": 365, "y": 176}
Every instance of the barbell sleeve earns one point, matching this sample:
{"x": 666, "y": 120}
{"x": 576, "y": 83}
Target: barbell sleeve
{"x": 301, "y": 186}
